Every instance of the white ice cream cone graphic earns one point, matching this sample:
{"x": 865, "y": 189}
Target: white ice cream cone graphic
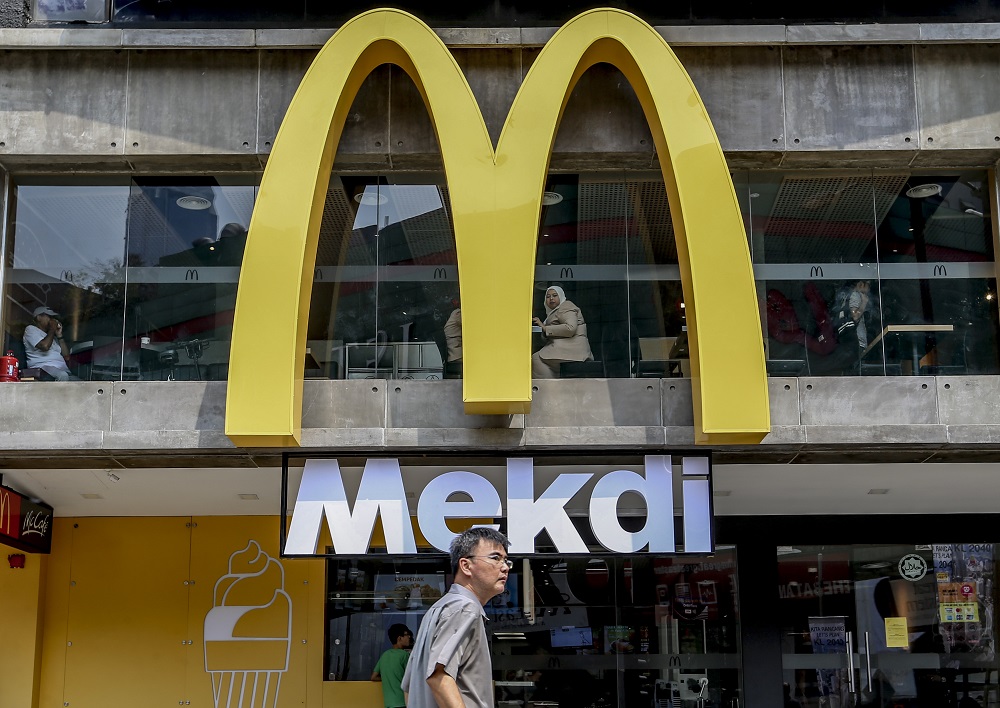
{"x": 248, "y": 631}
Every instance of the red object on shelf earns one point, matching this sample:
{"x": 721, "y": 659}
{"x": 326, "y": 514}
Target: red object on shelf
{"x": 10, "y": 368}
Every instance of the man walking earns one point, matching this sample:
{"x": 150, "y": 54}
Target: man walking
{"x": 391, "y": 665}
{"x": 450, "y": 666}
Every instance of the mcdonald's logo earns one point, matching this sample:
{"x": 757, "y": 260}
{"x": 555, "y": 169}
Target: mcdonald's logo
{"x": 440, "y": 273}
{"x": 191, "y": 274}
{"x": 496, "y": 197}
{"x": 674, "y": 661}
{"x": 940, "y": 270}
{"x": 6, "y": 502}
{"x": 816, "y": 272}
{"x": 318, "y": 274}
{"x": 566, "y": 273}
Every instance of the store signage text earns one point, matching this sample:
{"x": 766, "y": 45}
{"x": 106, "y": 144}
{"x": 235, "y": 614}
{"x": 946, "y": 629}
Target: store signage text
{"x": 323, "y": 495}
{"x": 24, "y": 524}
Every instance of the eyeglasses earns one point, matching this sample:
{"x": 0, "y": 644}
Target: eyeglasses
{"x": 497, "y": 560}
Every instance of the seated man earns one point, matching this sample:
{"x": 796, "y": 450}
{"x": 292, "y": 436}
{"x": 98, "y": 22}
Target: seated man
{"x": 44, "y": 345}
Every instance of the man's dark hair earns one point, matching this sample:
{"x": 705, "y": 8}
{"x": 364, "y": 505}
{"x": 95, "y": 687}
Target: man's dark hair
{"x": 465, "y": 543}
{"x": 396, "y": 631}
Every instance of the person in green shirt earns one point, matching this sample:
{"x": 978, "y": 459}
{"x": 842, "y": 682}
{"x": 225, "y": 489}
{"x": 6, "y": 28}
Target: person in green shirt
{"x": 391, "y": 665}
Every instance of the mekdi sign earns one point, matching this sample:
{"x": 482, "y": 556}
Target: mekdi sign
{"x": 530, "y": 506}
{"x": 24, "y": 524}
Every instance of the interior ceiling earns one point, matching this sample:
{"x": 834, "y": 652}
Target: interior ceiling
{"x": 807, "y": 218}
{"x": 763, "y": 489}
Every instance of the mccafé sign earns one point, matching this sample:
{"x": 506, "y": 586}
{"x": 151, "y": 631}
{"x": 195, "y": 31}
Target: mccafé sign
{"x": 24, "y": 524}
{"x": 322, "y": 501}
{"x": 495, "y": 197}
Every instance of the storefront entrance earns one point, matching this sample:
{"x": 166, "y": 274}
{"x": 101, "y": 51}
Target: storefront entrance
{"x": 888, "y": 625}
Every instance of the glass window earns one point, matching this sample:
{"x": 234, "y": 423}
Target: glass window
{"x": 185, "y": 245}
{"x": 655, "y": 296}
{"x": 884, "y": 273}
{"x": 65, "y": 255}
{"x": 385, "y": 301}
{"x": 888, "y": 625}
{"x": 602, "y": 631}
{"x": 141, "y": 277}
{"x": 812, "y": 241}
{"x": 583, "y": 253}
{"x": 937, "y": 276}
{"x": 70, "y": 10}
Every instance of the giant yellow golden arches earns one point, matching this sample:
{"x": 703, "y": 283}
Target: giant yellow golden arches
{"x": 495, "y": 202}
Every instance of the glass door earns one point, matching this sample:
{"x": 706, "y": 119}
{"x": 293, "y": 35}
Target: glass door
{"x": 888, "y": 625}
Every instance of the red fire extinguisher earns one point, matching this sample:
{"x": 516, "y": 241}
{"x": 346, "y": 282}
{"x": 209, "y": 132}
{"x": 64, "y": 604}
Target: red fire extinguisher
{"x": 10, "y": 369}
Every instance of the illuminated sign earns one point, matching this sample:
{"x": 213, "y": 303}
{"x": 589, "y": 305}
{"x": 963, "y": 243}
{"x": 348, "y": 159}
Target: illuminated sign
{"x": 24, "y": 524}
{"x": 495, "y": 204}
{"x": 380, "y": 495}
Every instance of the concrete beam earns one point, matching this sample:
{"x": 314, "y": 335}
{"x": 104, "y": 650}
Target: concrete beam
{"x": 140, "y": 423}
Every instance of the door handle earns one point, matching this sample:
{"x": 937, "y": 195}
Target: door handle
{"x": 868, "y": 659}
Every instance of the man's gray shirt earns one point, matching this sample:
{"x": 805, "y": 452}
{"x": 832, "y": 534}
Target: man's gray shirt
{"x": 452, "y": 634}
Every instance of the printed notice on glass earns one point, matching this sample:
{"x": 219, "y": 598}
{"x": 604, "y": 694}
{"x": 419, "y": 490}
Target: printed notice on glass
{"x": 896, "y": 633}
{"x": 960, "y": 612}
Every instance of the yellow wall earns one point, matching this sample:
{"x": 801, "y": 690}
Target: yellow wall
{"x": 124, "y": 605}
{"x": 21, "y": 596}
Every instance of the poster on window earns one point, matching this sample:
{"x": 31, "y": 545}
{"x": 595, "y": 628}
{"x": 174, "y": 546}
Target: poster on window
{"x": 964, "y": 576}
{"x": 401, "y": 592}
{"x": 829, "y": 636}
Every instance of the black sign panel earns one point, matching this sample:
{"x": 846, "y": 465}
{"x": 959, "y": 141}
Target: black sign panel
{"x": 24, "y": 524}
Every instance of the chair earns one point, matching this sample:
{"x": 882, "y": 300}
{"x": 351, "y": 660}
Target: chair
{"x": 218, "y": 371}
{"x": 654, "y": 358}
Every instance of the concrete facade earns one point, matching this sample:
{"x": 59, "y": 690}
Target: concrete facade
{"x": 924, "y": 418}
{"x": 786, "y": 96}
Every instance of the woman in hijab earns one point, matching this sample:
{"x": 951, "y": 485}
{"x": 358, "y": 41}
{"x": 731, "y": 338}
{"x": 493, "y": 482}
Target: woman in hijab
{"x": 565, "y": 334}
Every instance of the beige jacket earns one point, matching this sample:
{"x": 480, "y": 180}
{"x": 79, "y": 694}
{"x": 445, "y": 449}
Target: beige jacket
{"x": 453, "y": 335}
{"x": 566, "y": 334}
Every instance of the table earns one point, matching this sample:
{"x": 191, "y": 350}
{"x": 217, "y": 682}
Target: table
{"x": 909, "y": 329}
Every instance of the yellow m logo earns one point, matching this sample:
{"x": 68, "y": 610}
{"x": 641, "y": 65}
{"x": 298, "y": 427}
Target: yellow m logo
{"x": 495, "y": 202}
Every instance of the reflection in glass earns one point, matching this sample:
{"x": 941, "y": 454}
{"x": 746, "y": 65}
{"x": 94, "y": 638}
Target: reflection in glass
{"x": 577, "y": 632}
{"x": 917, "y": 622}
{"x": 143, "y": 277}
{"x": 66, "y": 252}
{"x": 185, "y": 245}
{"x": 385, "y": 300}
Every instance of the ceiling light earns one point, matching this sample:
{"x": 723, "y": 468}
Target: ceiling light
{"x": 367, "y": 198}
{"x": 974, "y": 212}
{"x": 194, "y": 203}
{"x": 91, "y": 495}
{"x": 875, "y": 565}
{"x": 788, "y": 550}
{"x": 922, "y": 191}
{"x": 754, "y": 195}
{"x": 878, "y": 491}
{"x": 113, "y": 477}
{"x": 248, "y": 497}
{"x": 550, "y": 198}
